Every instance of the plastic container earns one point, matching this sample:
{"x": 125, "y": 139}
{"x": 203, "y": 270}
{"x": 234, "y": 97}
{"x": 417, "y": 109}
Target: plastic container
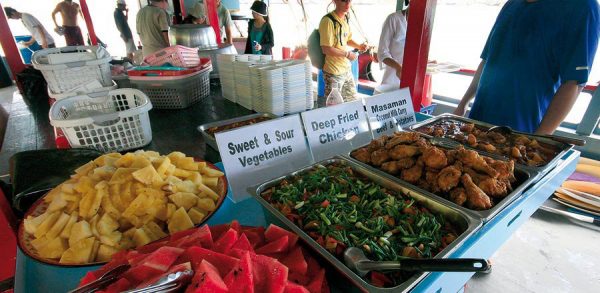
{"x": 26, "y": 53}
{"x": 113, "y": 121}
{"x": 177, "y": 55}
{"x": 174, "y": 92}
{"x": 335, "y": 97}
{"x": 64, "y": 77}
{"x": 82, "y": 90}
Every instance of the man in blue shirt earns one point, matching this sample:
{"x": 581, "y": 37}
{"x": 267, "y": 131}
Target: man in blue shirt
{"x": 535, "y": 63}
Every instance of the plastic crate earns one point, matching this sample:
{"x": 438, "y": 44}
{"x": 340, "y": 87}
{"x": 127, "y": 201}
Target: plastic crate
{"x": 82, "y": 90}
{"x": 64, "y": 77}
{"x": 177, "y": 55}
{"x": 174, "y": 92}
{"x": 113, "y": 121}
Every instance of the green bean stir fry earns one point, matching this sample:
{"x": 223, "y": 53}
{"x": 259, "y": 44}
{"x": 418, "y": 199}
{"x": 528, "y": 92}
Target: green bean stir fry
{"x": 340, "y": 208}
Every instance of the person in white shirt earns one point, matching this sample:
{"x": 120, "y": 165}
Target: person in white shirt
{"x": 391, "y": 47}
{"x": 33, "y": 25}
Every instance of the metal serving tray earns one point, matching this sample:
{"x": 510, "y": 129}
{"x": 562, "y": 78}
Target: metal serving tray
{"x": 562, "y": 147}
{"x": 210, "y": 139}
{"x": 525, "y": 178}
{"x": 466, "y": 222}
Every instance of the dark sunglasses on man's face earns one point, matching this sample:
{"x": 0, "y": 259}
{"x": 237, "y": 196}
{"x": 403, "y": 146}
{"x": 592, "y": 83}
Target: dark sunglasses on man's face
{"x": 345, "y": 1}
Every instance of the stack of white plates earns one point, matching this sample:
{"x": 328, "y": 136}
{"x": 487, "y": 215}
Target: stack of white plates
{"x": 243, "y": 88}
{"x": 256, "y": 77}
{"x": 273, "y": 92}
{"x": 226, "y": 75}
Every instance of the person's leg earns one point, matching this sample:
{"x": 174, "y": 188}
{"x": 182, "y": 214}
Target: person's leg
{"x": 79, "y": 36}
{"x": 349, "y": 87}
{"x": 68, "y": 33}
{"x": 130, "y": 47}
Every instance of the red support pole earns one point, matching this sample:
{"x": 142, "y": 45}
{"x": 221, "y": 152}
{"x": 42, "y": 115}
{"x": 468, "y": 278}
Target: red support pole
{"x": 416, "y": 51}
{"x": 182, "y": 8}
{"x": 13, "y": 56}
{"x": 213, "y": 19}
{"x": 88, "y": 21}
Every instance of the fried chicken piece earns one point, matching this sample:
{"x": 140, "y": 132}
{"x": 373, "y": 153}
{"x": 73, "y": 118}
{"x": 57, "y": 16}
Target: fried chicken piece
{"x": 535, "y": 160}
{"x": 486, "y": 146}
{"x": 451, "y": 155}
{"x": 493, "y": 187}
{"x": 390, "y": 167}
{"x": 476, "y": 177}
{"x": 412, "y": 174}
{"x": 438, "y": 131}
{"x": 497, "y": 137}
{"x": 377, "y": 143}
{"x": 404, "y": 151}
{"x": 458, "y": 195}
{"x": 402, "y": 138}
{"x": 475, "y": 161}
{"x": 379, "y": 157}
{"x": 467, "y": 127}
{"x": 448, "y": 178}
{"x": 471, "y": 139}
{"x": 427, "y": 130}
{"x": 476, "y": 198}
{"x": 435, "y": 158}
{"x": 405, "y": 163}
{"x": 506, "y": 170}
{"x": 515, "y": 152}
{"x": 521, "y": 140}
{"x": 362, "y": 155}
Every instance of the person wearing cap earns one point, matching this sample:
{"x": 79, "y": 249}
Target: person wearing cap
{"x": 69, "y": 12}
{"x": 260, "y": 34}
{"x": 152, "y": 25}
{"x": 121, "y": 15}
{"x": 199, "y": 15}
{"x": 33, "y": 25}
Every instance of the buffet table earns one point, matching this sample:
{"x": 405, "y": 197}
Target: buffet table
{"x": 176, "y": 130}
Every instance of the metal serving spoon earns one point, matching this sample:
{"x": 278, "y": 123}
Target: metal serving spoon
{"x": 105, "y": 279}
{"x": 507, "y": 130}
{"x": 356, "y": 260}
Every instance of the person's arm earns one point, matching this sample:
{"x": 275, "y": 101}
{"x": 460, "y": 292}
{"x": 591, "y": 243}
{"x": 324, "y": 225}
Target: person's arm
{"x": 328, "y": 41}
{"x": 335, "y": 52}
{"x": 385, "y": 40}
{"x": 228, "y": 23}
{"x": 361, "y": 47}
{"x": 470, "y": 93}
{"x": 228, "y": 34}
{"x": 268, "y": 42}
{"x": 166, "y": 37}
{"x": 163, "y": 23}
{"x": 44, "y": 40}
{"x": 56, "y": 10}
{"x": 559, "y": 108}
{"x": 30, "y": 42}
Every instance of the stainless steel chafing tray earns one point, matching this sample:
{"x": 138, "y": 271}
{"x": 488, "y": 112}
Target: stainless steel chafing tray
{"x": 562, "y": 148}
{"x": 210, "y": 139}
{"x": 464, "y": 221}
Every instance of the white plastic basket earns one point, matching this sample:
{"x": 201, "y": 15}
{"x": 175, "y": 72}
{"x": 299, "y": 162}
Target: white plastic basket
{"x": 63, "y": 77}
{"x": 116, "y": 122}
{"x": 83, "y": 90}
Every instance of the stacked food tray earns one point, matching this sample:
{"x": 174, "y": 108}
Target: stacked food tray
{"x": 305, "y": 201}
{"x": 208, "y": 130}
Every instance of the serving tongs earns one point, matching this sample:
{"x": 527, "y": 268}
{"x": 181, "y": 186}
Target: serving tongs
{"x": 356, "y": 260}
{"x": 104, "y": 280}
{"x": 568, "y": 140}
{"x": 169, "y": 283}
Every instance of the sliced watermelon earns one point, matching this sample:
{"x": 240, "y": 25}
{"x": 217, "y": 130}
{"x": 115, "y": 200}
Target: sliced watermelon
{"x": 269, "y": 274}
{"x": 201, "y": 237}
{"x": 276, "y": 246}
{"x": 240, "y": 279}
{"x": 88, "y": 278}
{"x": 275, "y": 232}
{"x": 134, "y": 257}
{"x": 224, "y": 263}
{"x": 313, "y": 266}
{"x": 119, "y": 286}
{"x": 317, "y": 284}
{"x": 141, "y": 273}
{"x": 163, "y": 258}
{"x": 235, "y": 225}
{"x": 226, "y": 241}
{"x": 207, "y": 280}
{"x": 298, "y": 278}
{"x": 151, "y": 247}
{"x": 181, "y": 234}
{"x": 218, "y": 230}
{"x": 255, "y": 236}
{"x": 292, "y": 287}
{"x": 176, "y": 268}
{"x": 295, "y": 261}
{"x": 243, "y": 243}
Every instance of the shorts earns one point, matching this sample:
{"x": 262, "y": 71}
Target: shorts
{"x": 73, "y": 36}
{"x": 345, "y": 82}
{"x": 130, "y": 46}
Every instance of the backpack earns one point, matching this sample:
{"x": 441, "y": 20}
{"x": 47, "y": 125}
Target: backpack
{"x": 317, "y": 58}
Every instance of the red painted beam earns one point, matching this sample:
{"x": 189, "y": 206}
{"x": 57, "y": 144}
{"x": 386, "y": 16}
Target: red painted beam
{"x": 416, "y": 51}
{"x": 211, "y": 11}
{"x": 88, "y": 21}
{"x": 13, "y": 56}
{"x": 182, "y": 8}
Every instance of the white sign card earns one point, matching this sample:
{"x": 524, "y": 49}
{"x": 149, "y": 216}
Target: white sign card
{"x": 336, "y": 130}
{"x": 256, "y": 153}
{"x": 389, "y": 112}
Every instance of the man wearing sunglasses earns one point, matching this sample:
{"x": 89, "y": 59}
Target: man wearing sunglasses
{"x": 335, "y": 37}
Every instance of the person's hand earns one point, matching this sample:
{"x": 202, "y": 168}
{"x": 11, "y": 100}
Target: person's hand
{"x": 460, "y": 110}
{"x": 352, "y": 56}
{"x": 257, "y": 46}
{"x": 44, "y": 46}
{"x": 363, "y": 47}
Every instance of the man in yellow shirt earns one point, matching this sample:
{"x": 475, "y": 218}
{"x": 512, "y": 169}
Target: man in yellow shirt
{"x": 335, "y": 38}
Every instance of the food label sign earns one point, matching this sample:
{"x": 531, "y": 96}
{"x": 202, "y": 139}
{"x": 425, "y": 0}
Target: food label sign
{"x": 256, "y": 153}
{"x": 390, "y": 112}
{"x": 336, "y": 130}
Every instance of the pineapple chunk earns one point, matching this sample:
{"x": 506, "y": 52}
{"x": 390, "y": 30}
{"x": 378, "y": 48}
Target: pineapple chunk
{"x": 48, "y": 222}
{"x": 210, "y": 172}
{"x": 111, "y": 239}
{"x": 186, "y": 186}
{"x": 66, "y": 232}
{"x": 173, "y": 180}
{"x": 150, "y": 154}
{"x": 196, "y": 215}
{"x": 58, "y": 226}
{"x": 146, "y": 175}
{"x": 129, "y": 233}
{"x": 125, "y": 243}
{"x": 54, "y": 249}
{"x": 106, "y": 225}
{"x": 171, "y": 208}
{"x": 163, "y": 166}
{"x": 175, "y": 156}
{"x": 125, "y": 160}
{"x": 187, "y": 163}
{"x": 105, "y": 253}
{"x": 85, "y": 169}
{"x": 85, "y": 203}
{"x": 109, "y": 208}
{"x": 84, "y": 185}
{"x": 68, "y": 188}
{"x": 79, "y": 231}
{"x": 31, "y": 223}
{"x": 104, "y": 172}
{"x": 206, "y": 204}
{"x": 39, "y": 243}
{"x": 211, "y": 193}
{"x": 93, "y": 224}
{"x": 183, "y": 199}
{"x": 121, "y": 176}
{"x": 196, "y": 178}
{"x": 79, "y": 253}
{"x": 72, "y": 206}
{"x": 155, "y": 229}
{"x": 180, "y": 221}
{"x": 57, "y": 204}
{"x": 52, "y": 194}
{"x": 141, "y": 238}
{"x": 182, "y": 173}
{"x": 162, "y": 213}
{"x": 211, "y": 182}
{"x": 140, "y": 162}
{"x": 94, "y": 252}
{"x": 201, "y": 165}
